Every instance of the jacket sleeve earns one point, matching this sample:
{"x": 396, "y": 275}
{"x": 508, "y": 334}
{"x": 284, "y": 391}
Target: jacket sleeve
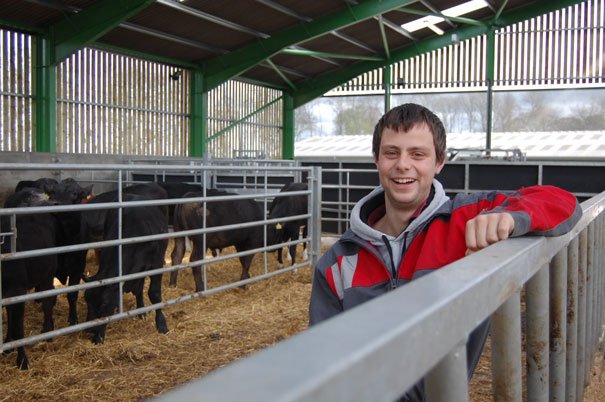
{"x": 325, "y": 301}
{"x": 541, "y": 211}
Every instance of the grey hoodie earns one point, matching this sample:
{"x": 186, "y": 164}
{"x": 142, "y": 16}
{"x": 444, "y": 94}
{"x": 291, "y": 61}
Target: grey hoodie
{"x": 396, "y": 244}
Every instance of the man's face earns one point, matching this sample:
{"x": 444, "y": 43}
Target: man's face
{"x": 407, "y": 164}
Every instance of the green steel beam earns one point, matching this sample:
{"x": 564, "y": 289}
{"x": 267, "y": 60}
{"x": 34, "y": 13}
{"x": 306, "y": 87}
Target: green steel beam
{"x": 462, "y": 20}
{"x": 316, "y": 87}
{"x": 502, "y": 6}
{"x": 288, "y": 127}
{"x": 77, "y": 30}
{"x": 19, "y": 27}
{"x": 383, "y": 34}
{"x": 238, "y": 121}
{"x": 281, "y": 74}
{"x": 198, "y": 125}
{"x": 302, "y": 52}
{"x": 46, "y": 97}
{"x": 144, "y": 55}
{"x": 225, "y": 67}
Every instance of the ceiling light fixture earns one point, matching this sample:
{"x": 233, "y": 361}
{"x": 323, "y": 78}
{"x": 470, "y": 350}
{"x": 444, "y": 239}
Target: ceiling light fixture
{"x": 431, "y": 21}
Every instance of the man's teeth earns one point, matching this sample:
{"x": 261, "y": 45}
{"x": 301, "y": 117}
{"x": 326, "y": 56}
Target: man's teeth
{"x": 404, "y": 181}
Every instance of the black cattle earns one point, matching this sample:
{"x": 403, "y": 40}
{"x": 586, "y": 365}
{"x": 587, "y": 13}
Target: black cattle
{"x": 34, "y": 232}
{"x": 290, "y": 230}
{"x": 138, "y": 257}
{"x": 70, "y": 265}
{"x": 190, "y": 216}
{"x": 177, "y": 190}
{"x": 93, "y": 221}
{"x": 45, "y": 184}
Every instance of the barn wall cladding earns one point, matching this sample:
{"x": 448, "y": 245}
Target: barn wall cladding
{"x": 113, "y": 104}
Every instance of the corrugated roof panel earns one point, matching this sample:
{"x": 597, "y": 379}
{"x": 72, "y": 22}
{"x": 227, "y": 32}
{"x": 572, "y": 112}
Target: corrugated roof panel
{"x": 570, "y": 144}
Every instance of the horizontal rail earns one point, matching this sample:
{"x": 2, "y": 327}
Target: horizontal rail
{"x": 381, "y": 348}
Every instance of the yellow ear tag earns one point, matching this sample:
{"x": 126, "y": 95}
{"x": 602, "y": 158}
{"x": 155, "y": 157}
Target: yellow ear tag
{"x": 46, "y": 196}
{"x": 278, "y": 226}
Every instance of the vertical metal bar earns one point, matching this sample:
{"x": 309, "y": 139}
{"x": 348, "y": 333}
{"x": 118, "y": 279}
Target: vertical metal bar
{"x": 447, "y": 381}
{"x": 600, "y": 264}
{"x": 589, "y": 349}
{"x": 572, "y": 322}
{"x": 1, "y": 304}
{"x": 581, "y": 313}
{"x": 386, "y": 75}
{"x": 537, "y": 320}
{"x": 315, "y": 185}
{"x": 491, "y": 50}
{"x": 558, "y": 327}
{"x": 265, "y": 240}
{"x": 120, "y": 261}
{"x": 506, "y": 350}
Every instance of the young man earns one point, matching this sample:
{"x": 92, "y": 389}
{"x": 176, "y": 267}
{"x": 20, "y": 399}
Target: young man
{"x": 407, "y": 227}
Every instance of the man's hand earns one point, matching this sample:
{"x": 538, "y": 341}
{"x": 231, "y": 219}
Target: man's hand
{"x": 486, "y": 229}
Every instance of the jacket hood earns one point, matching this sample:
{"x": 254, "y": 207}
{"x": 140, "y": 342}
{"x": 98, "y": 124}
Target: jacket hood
{"x": 359, "y": 224}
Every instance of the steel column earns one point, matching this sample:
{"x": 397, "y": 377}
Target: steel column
{"x": 288, "y": 126}
{"x": 447, "y": 381}
{"x": 388, "y": 87}
{"x": 46, "y": 97}
{"x": 589, "y": 349}
{"x": 198, "y": 123}
{"x": 536, "y": 299}
{"x": 558, "y": 326}
{"x": 581, "y": 312}
{"x": 572, "y": 320}
{"x": 506, "y": 350}
{"x": 315, "y": 210}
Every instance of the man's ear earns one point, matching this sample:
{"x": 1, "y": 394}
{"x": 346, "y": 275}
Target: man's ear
{"x": 439, "y": 167}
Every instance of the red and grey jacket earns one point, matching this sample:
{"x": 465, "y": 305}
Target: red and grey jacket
{"x": 365, "y": 263}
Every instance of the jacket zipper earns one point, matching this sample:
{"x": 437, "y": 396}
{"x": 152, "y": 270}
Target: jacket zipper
{"x": 393, "y": 272}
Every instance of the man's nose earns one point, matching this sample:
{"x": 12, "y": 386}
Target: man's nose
{"x": 404, "y": 162}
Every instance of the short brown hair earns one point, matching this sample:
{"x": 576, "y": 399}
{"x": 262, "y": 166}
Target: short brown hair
{"x": 403, "y": 118}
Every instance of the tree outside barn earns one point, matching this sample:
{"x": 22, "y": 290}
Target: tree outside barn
{"x": 522, "y": 111}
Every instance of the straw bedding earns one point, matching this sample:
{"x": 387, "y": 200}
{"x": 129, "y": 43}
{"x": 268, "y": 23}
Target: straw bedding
{"x": 136, "y": 362}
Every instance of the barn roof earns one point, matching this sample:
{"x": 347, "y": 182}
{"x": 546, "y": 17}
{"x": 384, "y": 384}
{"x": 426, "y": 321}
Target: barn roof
{"x": 569, "y": 145}
{"x": 302, "y": 47}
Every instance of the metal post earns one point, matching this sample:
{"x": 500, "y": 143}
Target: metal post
{"x": 506, "y": 350}
{"x": 558, "y": 326}
{"x": 447, "y": 381}
{"x": 581, "y": 313}
{"x": 386, "y": 78}
{"x": 315, "y": 210}
{"x": 491, "y": 52}
{"x": 288, "y": 127}
{"x": 198, "y": 125}
{"x": 589, "y": 349}
{"x": 537, "y": 320}
{"x": 46, "y": 97}
{"x": 572, "y": 321}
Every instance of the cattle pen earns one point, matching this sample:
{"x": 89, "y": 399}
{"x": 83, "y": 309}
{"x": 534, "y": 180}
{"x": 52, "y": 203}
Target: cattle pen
{"x": 563, "y": 285}
{"x": 516, "y": 267}
{"x": 257, "y": 183}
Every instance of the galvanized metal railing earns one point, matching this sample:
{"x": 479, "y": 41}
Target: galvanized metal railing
{"x": 263, "y": 192}
{"x": 376, "y": 351}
